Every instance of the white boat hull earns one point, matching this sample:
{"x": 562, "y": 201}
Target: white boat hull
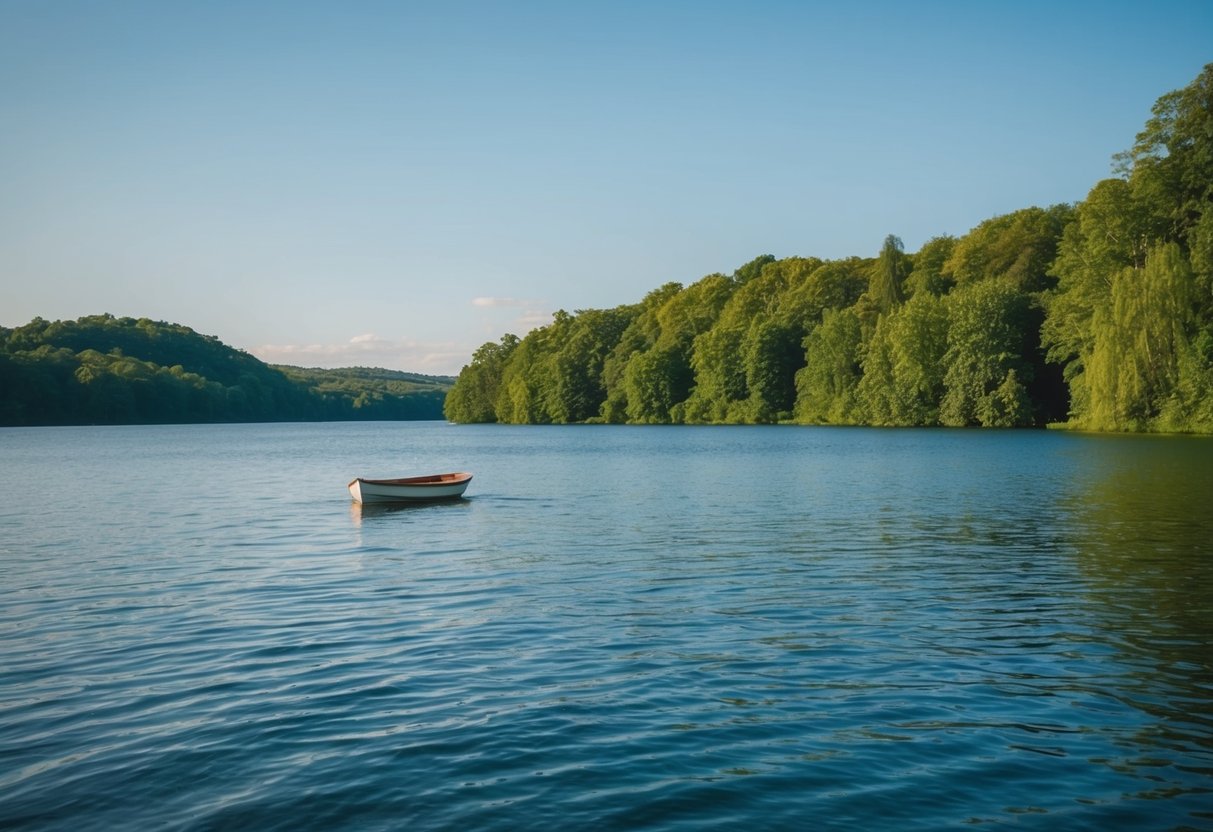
{"x": 409, "y": 489}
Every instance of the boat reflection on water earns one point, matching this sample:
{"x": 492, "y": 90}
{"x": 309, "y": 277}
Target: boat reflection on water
{"x": 369, "y": 511}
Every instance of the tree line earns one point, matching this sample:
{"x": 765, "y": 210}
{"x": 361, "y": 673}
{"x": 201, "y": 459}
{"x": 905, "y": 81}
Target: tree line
{"x": 1098, "y": 315}
{"x": 106, "y": 370}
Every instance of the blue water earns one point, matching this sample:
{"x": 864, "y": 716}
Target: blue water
{"x": 618, "y": 628}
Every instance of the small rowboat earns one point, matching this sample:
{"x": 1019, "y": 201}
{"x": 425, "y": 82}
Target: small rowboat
{"x": 410, "y": 489}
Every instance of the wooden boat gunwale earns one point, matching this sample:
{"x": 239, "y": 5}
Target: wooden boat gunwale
{"x": 425, "y": 480}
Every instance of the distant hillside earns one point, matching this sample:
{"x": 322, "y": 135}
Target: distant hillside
{"x": 106, "y": 370}
{"x": 372, "y": 392}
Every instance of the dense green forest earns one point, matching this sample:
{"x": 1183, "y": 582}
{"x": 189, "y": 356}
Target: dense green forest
{"x": 106, "y": 370}
{"x": 1097, "y": 315}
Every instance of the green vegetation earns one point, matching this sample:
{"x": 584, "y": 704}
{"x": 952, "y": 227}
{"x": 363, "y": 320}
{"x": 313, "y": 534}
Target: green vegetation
{"x": 366, "y": 393}
{"x": 106, "y": 370}
{"x": 1098, "y": 315}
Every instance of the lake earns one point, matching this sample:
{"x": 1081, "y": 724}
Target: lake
{"x": 662, "y": 628}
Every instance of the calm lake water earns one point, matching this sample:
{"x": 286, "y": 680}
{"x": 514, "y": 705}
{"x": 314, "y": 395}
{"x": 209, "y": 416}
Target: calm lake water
{"x": 619, "y": 628}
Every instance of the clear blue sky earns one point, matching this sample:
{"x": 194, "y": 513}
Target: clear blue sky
{"x": 395, "y": 183}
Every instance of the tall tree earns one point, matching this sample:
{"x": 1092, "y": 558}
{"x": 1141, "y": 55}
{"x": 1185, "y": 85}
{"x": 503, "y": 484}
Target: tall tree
{"x": 1172, "y": 157}
{"x": 889, "y": 273}
{"x": 1139, "y": 339}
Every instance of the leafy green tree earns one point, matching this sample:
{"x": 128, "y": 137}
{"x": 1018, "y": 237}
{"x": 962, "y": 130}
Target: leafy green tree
{"x": 655, "y": 381}
{"x": 1007, "y": 406}
{"x": 890, "y": 271}
{"x": 903, "y": 372}
{"x": 927, "y": 275}
{"x": 693, "y": 311}
{"x": 1171, "y": 162}
{"x": 474, "y": 396}
{"x": 1139, "y": 340}
{"x": 720, "y": 377}
{"x": 522, "y": 398}
{"x": 1170, "y": 169}
{"x": 1018, "y": 247}
{"x": 1189, "y": 407}
{"x": 578, "y": 388}
{"x": 680, "y": 319}
{"x": 752, "y": 269}
{"x": 833, "y": 285}
{"x": 987, "y": 330}
{"x": 1131, "y": 319}
{"x": 772, "y": 354}
{"x": 640, "y": 335}
{"x": 719, "y": 356}
{"x": 1106, "y": 237}
{"x": 826, "y": 385}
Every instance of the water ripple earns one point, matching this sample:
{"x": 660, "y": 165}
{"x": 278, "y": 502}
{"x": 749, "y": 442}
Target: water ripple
{"x": 876, "y": 640}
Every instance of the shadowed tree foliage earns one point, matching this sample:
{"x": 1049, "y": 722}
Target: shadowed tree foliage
{"x": 772, "y": 353}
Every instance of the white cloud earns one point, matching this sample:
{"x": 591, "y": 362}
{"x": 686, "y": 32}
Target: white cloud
{"x": 533, "y": 313}
{"x": 499, "y": 303}
{"x": 532, "y": 319}
{"x": 369, "y": 350}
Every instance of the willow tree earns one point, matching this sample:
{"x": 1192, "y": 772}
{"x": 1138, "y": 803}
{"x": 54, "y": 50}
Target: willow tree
{"x": 1138, "y": 340}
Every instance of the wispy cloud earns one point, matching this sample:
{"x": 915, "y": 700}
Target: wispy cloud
{"x": 534, "y": 312}
{"x": 502, "y": 303}
{"x": 369, "y": 350}
{"x": 532, "y": 319}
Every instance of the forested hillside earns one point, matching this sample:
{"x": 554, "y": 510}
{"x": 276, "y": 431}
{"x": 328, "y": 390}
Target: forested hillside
{"x": 1097, "y": 315}
{"x": 106, "y": 370}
